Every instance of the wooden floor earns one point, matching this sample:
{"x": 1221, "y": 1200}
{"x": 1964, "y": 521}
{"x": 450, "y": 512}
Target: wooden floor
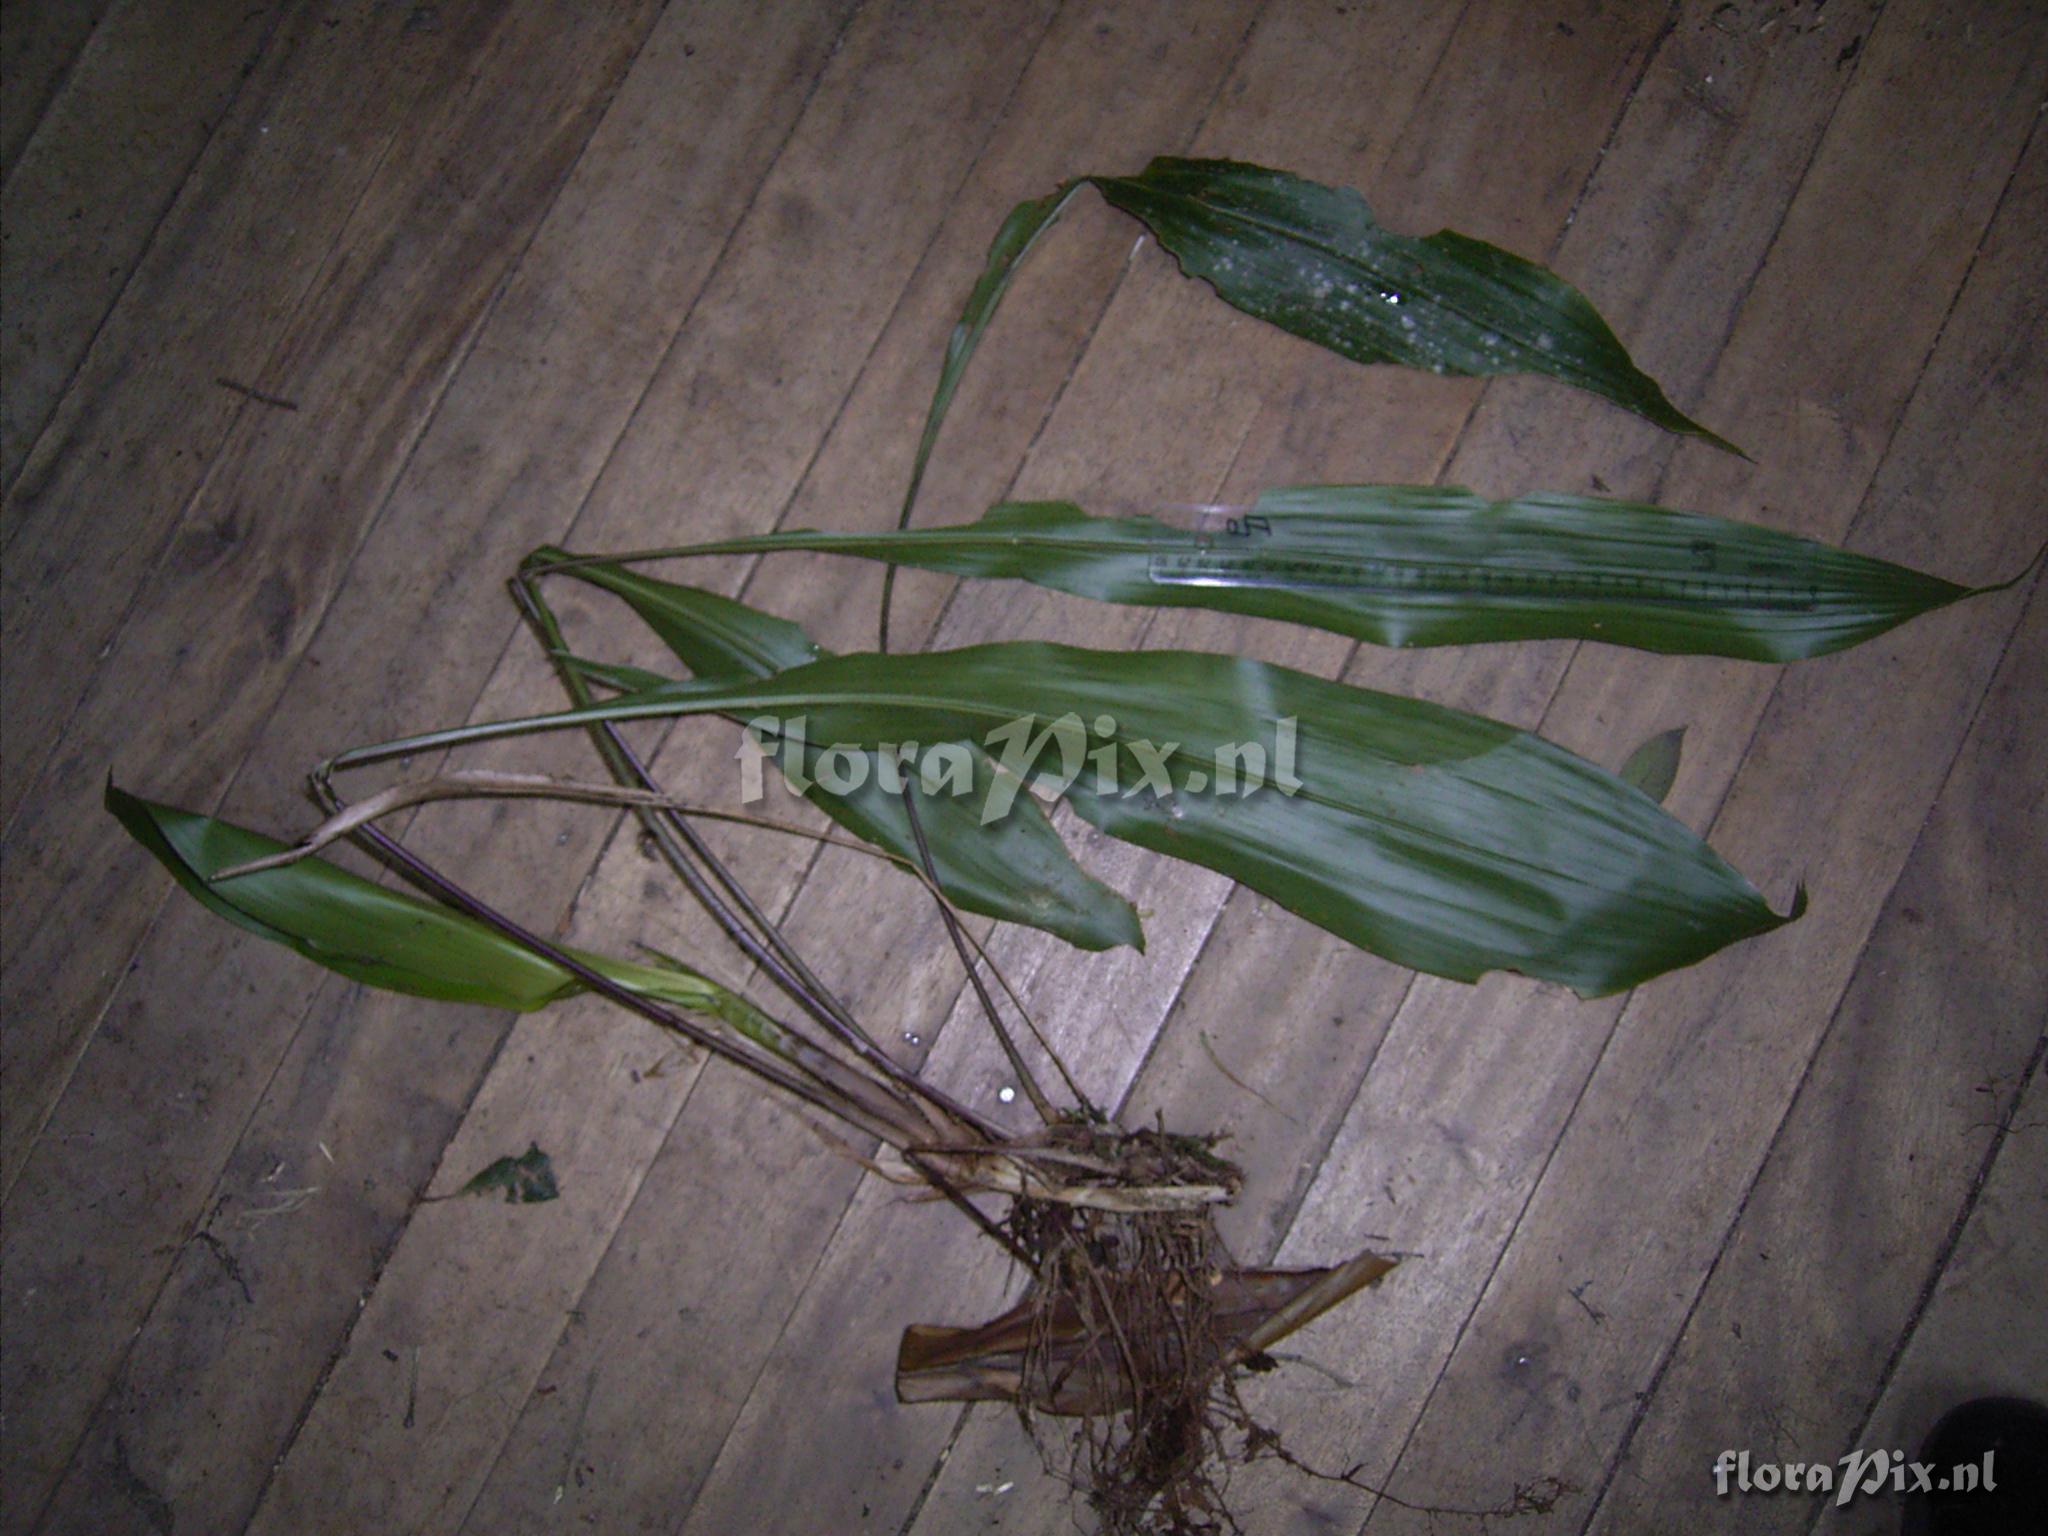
{"x": 318, "y": 317}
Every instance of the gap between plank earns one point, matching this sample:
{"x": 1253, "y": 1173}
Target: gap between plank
{"x": 1712, "y": 821}
{"x": 1947, "y": 1251}
{"x": 1641, "y": 1409}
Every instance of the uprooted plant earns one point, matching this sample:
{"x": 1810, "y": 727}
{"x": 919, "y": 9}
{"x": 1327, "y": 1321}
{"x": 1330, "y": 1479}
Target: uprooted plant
{"x": 1441, "y": 840}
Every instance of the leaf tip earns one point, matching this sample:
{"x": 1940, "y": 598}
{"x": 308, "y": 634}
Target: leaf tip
{"x": 1653, "y": 766}
{"x": 1712, "y": 438}
{"x": 2033, "y": 565}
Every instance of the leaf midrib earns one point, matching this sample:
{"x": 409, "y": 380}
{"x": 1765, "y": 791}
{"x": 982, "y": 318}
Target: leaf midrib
{"x": 1572, "y": 373}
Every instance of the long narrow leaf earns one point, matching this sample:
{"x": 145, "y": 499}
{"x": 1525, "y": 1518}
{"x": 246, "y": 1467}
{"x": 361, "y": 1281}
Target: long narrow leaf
{"x": 1019, "y": 871}
{"x": 1019, "y": 232}
{"x": 1313, "y": 260}
{"x": 1418, "y": 565}
{"x": 388, "y": 938}
{"x": 1439, "y": 839}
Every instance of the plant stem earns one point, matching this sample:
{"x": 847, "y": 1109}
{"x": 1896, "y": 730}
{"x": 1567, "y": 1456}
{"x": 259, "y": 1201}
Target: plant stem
{"x": 1032, "y": 1091}
{"x": 673, "y": 835}
{"x": 833, "y": 1098}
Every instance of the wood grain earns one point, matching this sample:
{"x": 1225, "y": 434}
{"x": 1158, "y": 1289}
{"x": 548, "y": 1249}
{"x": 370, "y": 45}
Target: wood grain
{"x": 317, "y": 1087}
{"x": 625, "y": 274}
{"x": 421, "y": 273}
{"x": 134, "y": 437}
{"x": 210, "y": 491}
{"x": 1789, "y": 1341}
{"x": 1976, "y": 1335}
{"x": 40, "y": 41}
{"x": 1675, "y": 1111}
{"x": 136, "y": 109}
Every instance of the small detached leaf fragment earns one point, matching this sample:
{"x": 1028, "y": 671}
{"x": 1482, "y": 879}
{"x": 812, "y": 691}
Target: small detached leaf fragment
{"x": 528, "y": 1179}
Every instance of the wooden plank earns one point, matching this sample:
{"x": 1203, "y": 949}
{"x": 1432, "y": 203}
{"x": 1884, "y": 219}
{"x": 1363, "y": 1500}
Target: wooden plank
{"x": 611, "y": 1437}
{"x": 140, "y": 430}
{"x": 144, "y": 418}
{"x": 523, "y": 432}
{"x": 1979, "y": 1334}
{"x": 106, "y": 1177}
{"x": 40, "y": 41}
{"x": 1667, "y": 237}
{"x": 742, "y": 402}
{"x": 110, "y": 154}
{"x": 1681, "y": 1103}
{"x": 1845, "y": 1229}
{"x": 1158, "y": 407}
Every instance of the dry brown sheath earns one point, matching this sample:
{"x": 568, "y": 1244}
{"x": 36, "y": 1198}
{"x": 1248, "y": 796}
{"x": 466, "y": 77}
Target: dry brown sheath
{"x": 1078, "y": 1370}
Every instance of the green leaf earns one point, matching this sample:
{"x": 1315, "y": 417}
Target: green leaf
{"x": 1313, "y": 260}
{"x": 1653, "y": 767}
{"x": 1419, "y": 565}
{"x": 1019, "y": 871}
{"x": 528, "y": 1179}
{"x": 370, "y": 933}
{"x": 1436, "y": 838}
{"x": 1019, "y": 232}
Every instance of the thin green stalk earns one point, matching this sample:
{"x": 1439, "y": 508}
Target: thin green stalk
{"x": 1019, "y": 233}
{"x": 833, "y": 1098}
{"x": 1046, "y": 1113}
{"x": 673, "y": 833}
{"x": 628, "y": 769}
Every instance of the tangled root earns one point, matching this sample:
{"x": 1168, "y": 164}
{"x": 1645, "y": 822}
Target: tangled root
{"x": 1125, "y": 1337}
{"x": 1133, "y": 1326}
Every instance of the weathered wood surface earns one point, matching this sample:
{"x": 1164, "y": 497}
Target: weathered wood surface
{"x": 622, "y": 275}
{"x": 573, "y": 340}
{"x": 40, "y": 41}
{"x": 371, "y": 294}
{"x": 1978, "y": 1334}
{"x": 1910, "y": 1099}
{"x": 139, "y": 104}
